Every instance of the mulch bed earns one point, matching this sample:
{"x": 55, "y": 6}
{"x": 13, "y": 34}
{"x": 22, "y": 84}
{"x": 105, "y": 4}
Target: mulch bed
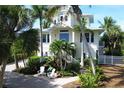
{"x": 113, "y": 73}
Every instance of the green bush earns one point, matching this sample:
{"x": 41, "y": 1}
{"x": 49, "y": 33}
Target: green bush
{"x": 32, "y": 66}
{"x": 73, "y": 67}
{"x": 86, "y": 62}
{"x": 27, "y": 71}
{"x": 99, "y": 72}
{"x": 88, "y": 80}
{"x": 34, "y": 63}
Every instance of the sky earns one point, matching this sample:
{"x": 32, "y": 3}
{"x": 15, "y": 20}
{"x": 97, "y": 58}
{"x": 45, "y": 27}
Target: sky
{"x": 100, "y": 11}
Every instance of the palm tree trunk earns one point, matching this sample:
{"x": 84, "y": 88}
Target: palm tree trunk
{"x": 2, "y": 71}
{"x": 23, "y": 60}
{"x": 82, "y": 52}
{"x": 60, "y": 60}
{"x": 16, "y": 62}
{"x": 65, "y": 66}
{"x": 41, "y": 38}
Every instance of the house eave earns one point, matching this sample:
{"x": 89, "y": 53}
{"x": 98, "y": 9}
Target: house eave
{"x": 96, "y": 29}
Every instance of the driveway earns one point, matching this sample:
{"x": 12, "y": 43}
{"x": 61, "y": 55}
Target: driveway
{"x": 16, "y": 80}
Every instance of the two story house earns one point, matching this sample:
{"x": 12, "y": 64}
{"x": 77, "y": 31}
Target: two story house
{"x": 62, "y": 29}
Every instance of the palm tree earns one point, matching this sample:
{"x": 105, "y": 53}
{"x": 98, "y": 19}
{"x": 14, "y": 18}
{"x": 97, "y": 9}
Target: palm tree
{"x": 78, "y": 13}
{"x": 46, "y": 24}
{"x": 112, "y": 36}
{"x": 61, "y": 49}
{"x": 107, "y": 24}
{"x": 4, "y": 51}
{"x": 56, "y": 49}
{"x": 16, "y": 50}
{"x": 77, "y": 28}
{"x": 12, "y": 20}
{"x": 30, "y": 42}
{"x": 43, "y": 12}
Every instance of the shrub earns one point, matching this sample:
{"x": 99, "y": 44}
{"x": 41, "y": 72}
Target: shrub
{"x": 34, "y": 63}
{"x": 73, "y": 67}
{"x": 86, "y": 62}
{"x": 27, "y": 71}
{"x": 99, "y": 72}
{"x": 32, "y": 66}
{"x": 88, "y": 80}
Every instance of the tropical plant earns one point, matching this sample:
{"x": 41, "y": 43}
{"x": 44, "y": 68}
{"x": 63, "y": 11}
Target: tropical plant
{"x": 16, "y": 50}
{"x": 107, "y": 24}
{"x": 61, "y": 50}
{"x": 12, "y": 19}
{"x": 4, "y": 51}
{"x": 30, "y": 43}
{"x": 46, "y": 24}
{"x": 112, "y": 37}
{"x": 73, "y": 67}
{"x": 88, "y": 80}
{"x": 43, "y": 12}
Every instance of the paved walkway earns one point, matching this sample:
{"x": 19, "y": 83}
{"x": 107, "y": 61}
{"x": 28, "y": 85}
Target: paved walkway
{"x": 11, "y": 66}
{"x": 15, "y": 80}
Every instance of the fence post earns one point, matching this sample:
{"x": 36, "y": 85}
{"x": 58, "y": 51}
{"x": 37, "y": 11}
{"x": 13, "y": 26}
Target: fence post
{"x": 112, "y": 60}
{"x": 104, "y": 59}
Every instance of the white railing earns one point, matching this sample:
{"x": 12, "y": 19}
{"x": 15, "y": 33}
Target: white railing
{"x": 105, "y": 59}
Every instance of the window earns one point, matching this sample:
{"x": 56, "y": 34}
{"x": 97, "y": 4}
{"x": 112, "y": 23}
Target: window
{"x": 45, "y": 38}
{"x": 80, "y": 37}
{"x": 92, "y": 37}
{"x": 48, "y": 38}
{"x": 64, "y": 35}
{"x": 66, "y": 18}
{"x": 87, "y": 36}
{"x": 61, "y": 18}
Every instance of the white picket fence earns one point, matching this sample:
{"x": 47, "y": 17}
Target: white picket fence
{"x": 105, "y": 59}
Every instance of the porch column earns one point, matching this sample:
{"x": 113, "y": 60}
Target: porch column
{"x": 73, "y": 37}
{"x": 50, "y": 33}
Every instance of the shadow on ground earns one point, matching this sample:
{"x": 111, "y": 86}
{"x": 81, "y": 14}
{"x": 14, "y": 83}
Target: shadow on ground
{"x": 15, "y": 80}
{"x": 114, "y": 74}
